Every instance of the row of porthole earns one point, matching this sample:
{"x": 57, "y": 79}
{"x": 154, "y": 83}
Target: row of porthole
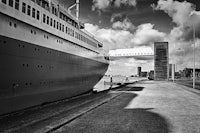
{"x": 3, "y": 41}
{"x": 59, "y": 41}
{"x": 39, "y": 66}
{"x": 15, "y": 85}
{"x": 14, "y": 24}
{"x": 46, "y": 36}
{"x": 19, "y": 45}
{"x": 33, "y": 32}
{"x": 36, "y": 49}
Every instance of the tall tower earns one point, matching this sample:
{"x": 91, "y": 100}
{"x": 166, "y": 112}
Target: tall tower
{"x": 161, "y": 59}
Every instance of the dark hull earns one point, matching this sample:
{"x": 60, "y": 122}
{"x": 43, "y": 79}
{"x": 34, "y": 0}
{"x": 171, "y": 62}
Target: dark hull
{"x": 32, "y": 75}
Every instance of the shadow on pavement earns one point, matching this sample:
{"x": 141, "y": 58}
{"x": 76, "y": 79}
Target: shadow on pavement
{"x": 114, "y": 117}
{"x": 134, "y": 88}
{"x": 145, "y": 121}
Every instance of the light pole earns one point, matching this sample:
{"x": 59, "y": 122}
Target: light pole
{"x": 194, "y": 56}
{"x": 193, "y": 27}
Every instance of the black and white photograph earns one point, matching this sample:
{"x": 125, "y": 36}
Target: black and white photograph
{"x": 100, "y": 66}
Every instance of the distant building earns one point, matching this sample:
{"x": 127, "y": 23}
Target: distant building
{"x": 170, "y": 70}
{"x": 151, "y": 75}
{"x": 188, "y": 72}
{"x": 161, "y": 58}
{"x": 143, "y": 74}
{"x": 139, "y": 70}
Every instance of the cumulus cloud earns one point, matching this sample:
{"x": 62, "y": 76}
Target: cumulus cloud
{"x": 183, "y": 14}
{"x": 118, "y": 3}
{"x": 146, "y": 35}
{"x": 117, "y": 17}
{"x": 180, "y": 38}
{"x": 103, "y": 4}
{"x": 111, "y": 38}
{"x": 124, "y": 25}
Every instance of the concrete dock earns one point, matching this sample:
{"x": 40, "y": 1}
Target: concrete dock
{"x": 147, "y": 107}
{"x": 142, "y": 107}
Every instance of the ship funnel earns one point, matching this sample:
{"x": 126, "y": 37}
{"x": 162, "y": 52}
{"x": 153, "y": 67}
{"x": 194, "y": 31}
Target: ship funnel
{"x": 77, "y": 9}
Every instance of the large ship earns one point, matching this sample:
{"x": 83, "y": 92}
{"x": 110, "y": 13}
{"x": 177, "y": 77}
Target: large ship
{"x": 45, "y": 54}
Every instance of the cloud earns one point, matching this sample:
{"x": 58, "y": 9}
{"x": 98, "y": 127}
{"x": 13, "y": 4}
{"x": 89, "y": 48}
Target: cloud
{"x": 180, "y": 12}
{"x": 146, "y": 35}
{"x": 124, "y": 25}
{"x": 181, "y": 36}
{"x": 111, "y": 38}
{"x": 103, "y": 4}
{"x": 118, "y": 3}
{"x": 117, "y": 17}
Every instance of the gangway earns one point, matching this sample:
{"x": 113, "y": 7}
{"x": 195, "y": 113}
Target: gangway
{"x": 143, "y": 53}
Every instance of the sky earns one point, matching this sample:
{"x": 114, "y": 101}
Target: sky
{"x": 121, "y": 24}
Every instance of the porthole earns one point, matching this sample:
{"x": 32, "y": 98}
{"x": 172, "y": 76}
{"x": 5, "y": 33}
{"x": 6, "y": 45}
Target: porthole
{"x": 15, "y": 85}
{"x": 15, "y": 25}
{"x": 10, "y": 23}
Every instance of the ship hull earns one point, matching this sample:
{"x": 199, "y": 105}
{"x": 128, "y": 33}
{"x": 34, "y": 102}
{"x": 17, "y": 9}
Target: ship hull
{"x": 32, "y": 75}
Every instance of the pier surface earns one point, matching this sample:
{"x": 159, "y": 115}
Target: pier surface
{"x": 147, "y": 107}
{"x": 142, "y": 107}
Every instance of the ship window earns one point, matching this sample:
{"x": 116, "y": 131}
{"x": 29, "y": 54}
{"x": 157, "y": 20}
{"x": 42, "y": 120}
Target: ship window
{"x": 29, "y": 10}
{"x": 24, "y": 7}
{"x": 51, "y": 22}
{"x": 4, "y": 1}
{"x": 38, "y": 15}
{"x": 62, "y": 28}
{"x": 52, "y": 9}
{"x": 57, "y": 25}
{"x": 55, "y": 12}
{"x": 54, "y": 23}
{"x": 44, "y": 18}
{"x": 17, "y": 4}
{"x": 33, "y": 12}
{"x": 47, "y": 19}
{"x": 11, "y": 3}
{"x": 66, "y": 29}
